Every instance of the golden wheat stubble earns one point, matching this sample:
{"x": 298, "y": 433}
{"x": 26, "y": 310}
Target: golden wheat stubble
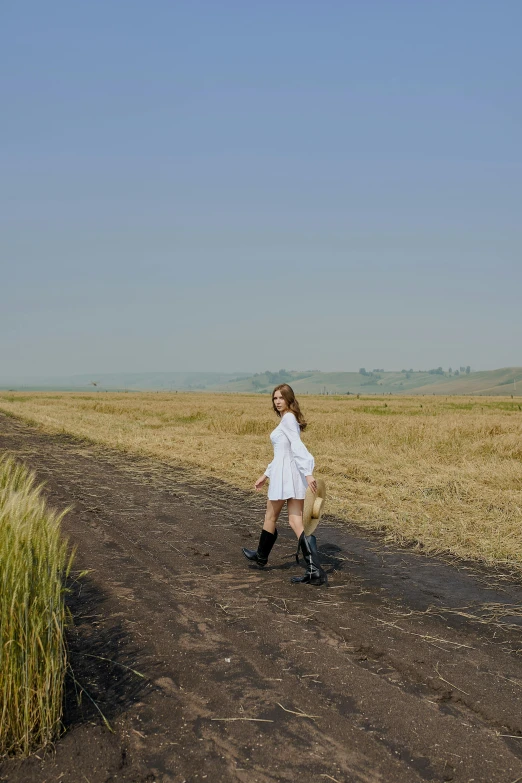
{"x": 443, "y": 472}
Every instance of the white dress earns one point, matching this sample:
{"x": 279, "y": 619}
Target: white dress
{"x": 292, "y": 461}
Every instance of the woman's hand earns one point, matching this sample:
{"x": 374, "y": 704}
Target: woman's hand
{"x": 260, "y": 482}
{"x": 312, "y": 483}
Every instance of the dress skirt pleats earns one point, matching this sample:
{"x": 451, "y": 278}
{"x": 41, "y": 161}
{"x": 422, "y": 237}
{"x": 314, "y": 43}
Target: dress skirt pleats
{"x": 292, "y": 461}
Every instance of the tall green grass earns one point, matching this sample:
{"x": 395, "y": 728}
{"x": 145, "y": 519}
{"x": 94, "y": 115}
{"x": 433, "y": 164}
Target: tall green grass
{"x": 34, "y": 563}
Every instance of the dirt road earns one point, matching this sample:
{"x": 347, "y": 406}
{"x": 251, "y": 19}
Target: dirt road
{"x": 378, "y": 678}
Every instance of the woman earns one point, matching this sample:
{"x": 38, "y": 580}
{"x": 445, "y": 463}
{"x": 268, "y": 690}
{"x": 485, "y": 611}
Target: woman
{"x": 290, "y": 472}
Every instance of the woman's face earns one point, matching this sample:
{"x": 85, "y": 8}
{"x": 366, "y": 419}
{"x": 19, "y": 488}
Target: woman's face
{"x": 280, "y": 402}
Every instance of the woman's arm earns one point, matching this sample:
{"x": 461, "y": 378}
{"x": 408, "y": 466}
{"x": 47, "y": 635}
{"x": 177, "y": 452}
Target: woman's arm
{"x": 262, "y": 479}
{"x": 303, "y": 459}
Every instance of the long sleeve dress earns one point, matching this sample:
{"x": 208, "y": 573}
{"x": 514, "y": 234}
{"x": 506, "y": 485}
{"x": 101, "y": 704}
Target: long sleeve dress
{"x": 292, "y": 461}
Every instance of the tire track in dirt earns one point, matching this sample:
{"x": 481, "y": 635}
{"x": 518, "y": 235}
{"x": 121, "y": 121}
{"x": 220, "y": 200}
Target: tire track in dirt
{"x": 399, "y": 694}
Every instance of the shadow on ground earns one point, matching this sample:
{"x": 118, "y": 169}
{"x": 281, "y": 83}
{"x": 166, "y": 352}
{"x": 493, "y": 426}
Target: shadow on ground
{"x": 104, "y": 677}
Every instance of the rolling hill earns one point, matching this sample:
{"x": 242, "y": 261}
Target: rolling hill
{"x": 506, "y": 381}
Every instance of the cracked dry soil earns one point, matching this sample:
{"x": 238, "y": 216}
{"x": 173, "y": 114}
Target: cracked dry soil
{"x": 378, "y": 678}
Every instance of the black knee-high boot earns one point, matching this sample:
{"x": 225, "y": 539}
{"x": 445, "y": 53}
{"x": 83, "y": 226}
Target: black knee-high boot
{"x": 314, "y": 573}
{"x": 260, "y": 555}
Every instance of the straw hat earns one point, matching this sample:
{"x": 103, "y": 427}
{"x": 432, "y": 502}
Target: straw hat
{"x": 313, "y": 507}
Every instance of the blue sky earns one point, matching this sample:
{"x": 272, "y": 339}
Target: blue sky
{"x": 248, "y": 185}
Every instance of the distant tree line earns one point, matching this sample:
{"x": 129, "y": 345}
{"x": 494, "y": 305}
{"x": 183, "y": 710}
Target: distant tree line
{"x": 460, "y": 371}
{"x": 407, "y": 373}
{"x": 262, "y": 379}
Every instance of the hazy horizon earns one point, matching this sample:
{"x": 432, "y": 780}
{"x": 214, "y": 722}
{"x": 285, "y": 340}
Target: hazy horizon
{"x": 226, "y": 185}
{"x": 230, "y": 373}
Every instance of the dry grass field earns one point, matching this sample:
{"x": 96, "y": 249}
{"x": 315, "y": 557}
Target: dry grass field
{"x": 445, "y": 473}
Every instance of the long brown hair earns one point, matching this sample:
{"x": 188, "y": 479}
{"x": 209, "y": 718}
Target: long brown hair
{"x": 288, "y": 395}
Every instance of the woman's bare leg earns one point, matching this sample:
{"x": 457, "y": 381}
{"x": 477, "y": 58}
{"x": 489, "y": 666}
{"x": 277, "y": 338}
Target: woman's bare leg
{"x": 295, "y": 515}
{"x": 273, "y": 509}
